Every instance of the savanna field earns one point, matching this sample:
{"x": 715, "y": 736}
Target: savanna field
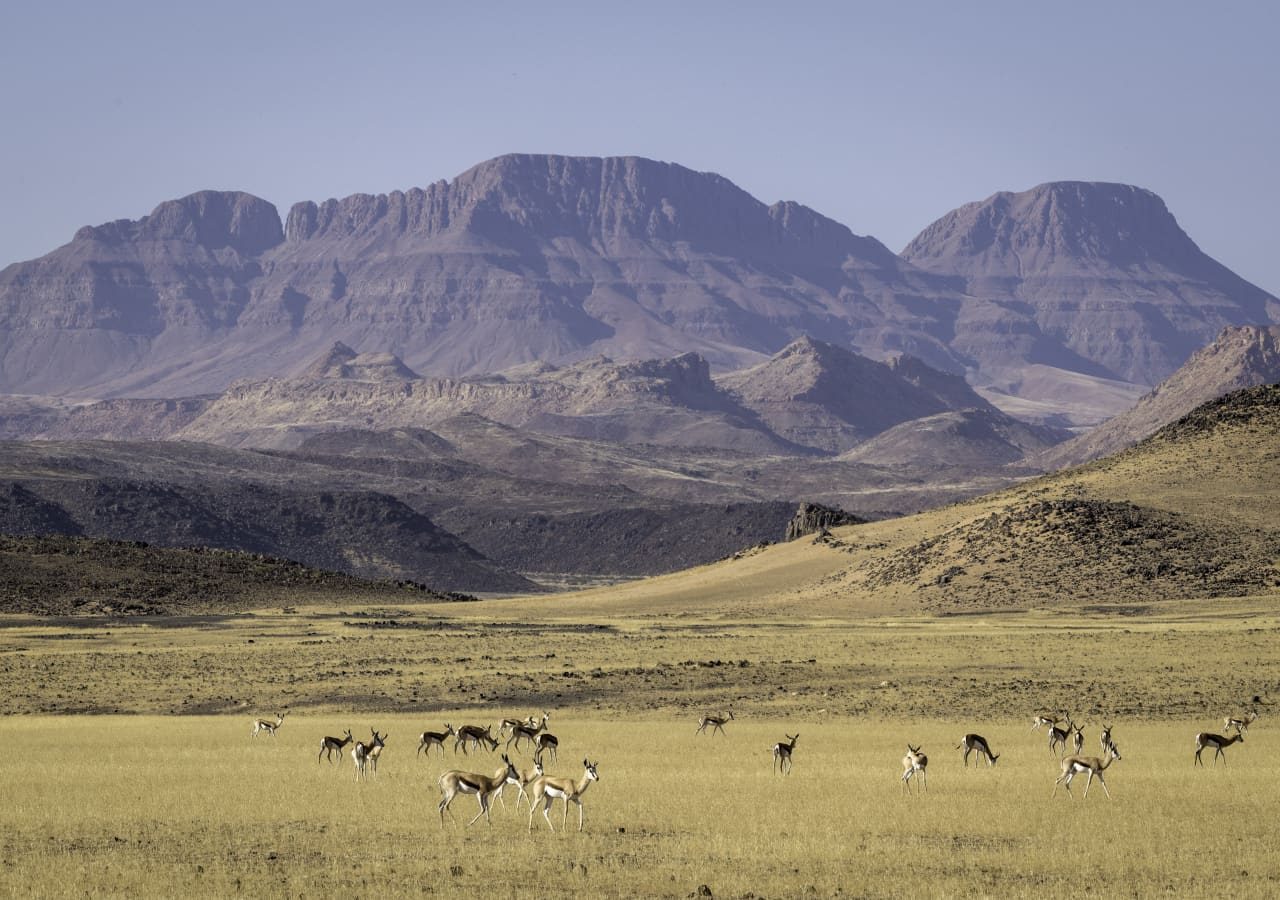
{"x": 163, "y": 791}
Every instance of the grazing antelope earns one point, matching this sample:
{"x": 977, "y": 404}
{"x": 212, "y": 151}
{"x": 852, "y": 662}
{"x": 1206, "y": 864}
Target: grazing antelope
{"x": 914, "y": 763}
{"x": 976, "y": 743}
{"x": 548, "y": 741}
{"x": 1077, "y": 738}
{"x": 431, "y": 739}
{"x": 330, "y": 744}
{"x": 782, "y": 753}
{"x": 1240, "y": 723}
{"x": 267, "y": 725}
{"x": 474, "y": 734}
{"x": 548, "y": 790}
{"x": 716, "y": 723}
{"x": 1078, "y": 765}
{"x": 508, "y": 724}
{"x": 454, "y": 783}
{"x": 361, "y": 753}
{"x": 1217, "y": 742}
{"x": 1105, "y": 738}
{"x": 1043, "y": 720}
{"x": 527, "y": 732}
{"x": 1058, "y": 736}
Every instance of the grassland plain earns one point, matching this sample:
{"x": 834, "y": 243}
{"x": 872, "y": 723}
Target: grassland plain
{"x": 177, "y": 805}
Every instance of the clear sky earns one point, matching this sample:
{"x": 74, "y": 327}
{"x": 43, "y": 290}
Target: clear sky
{"x": 883, "y": 116}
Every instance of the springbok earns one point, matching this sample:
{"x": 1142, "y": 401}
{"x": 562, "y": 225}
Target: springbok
{"x": 914, "y": 763}
{"x": 976, "y": 743}
{"x": 716, "y": 723}
{"x": 782, "y": 753}
{"x": 454, "y": 783}
{"x": 547, "y": 790}
{"x": 1078, "y": 765}
{"x": 329, "y": 744}
{"x": 362, "y": 752}
{"x": 267, "y": 725}
{"x": 429, "y": 739}
{"x": 474, "y": 734}
{"x": 1217, "y": 742}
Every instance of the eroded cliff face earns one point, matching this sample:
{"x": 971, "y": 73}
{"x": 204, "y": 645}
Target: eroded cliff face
{"x": 526, "y": 259}
{"x": 1091, "y": 277}
{"x": 520, "y": 259}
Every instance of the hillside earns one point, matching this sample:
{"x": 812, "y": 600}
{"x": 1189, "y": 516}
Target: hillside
{"x": 1191, "y": 512}
{"x": 1238, "y": 358}
{"x": 82, "y": 576}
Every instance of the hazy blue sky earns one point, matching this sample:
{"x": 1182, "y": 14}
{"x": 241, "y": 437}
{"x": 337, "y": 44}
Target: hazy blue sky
{"x": 881, "y": 115}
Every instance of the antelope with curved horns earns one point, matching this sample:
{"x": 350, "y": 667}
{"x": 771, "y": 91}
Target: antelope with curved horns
{"x": 474, "y": 734}
{"x": 1043, "y": 719}
{"x": 431, "y": 739}
{"x": 527, "y": 732}
{"x": 454, "y": 783}
{"x": 526, "y": 778}
{"x": 1105, "y": 738}
{"x": 716, "y": 723}
{"x": 547, "y": 790}
{"x": 329, "y": 744}
{"x": 267, "y": 725}
{"x": 1240, "y": 723}
{"x": 914, "y": 763}
{"x": 507, "y": 724}
{"x": 782, "y": 753}
{"x": 548, "y": 741}
{"x": 375, "y": 749}
{"x": 1058, "y": 736}
{"x": 1217, "y": 742}
{"x": 1078, "y": 765}
{"x": 976, "y": 743}
{"x": 1077, "y": 738}
{"x": 361, "y": 752}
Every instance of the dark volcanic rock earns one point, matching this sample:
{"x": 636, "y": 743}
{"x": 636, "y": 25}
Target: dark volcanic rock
{"x": 810, "y": 518}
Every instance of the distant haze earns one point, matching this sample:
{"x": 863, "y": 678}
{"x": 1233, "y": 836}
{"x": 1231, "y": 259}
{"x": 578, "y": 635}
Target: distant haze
{"x": 883, "y": 117}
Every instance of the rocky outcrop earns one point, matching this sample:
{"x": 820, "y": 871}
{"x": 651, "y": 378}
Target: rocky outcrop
{"x": 811, "y": 518}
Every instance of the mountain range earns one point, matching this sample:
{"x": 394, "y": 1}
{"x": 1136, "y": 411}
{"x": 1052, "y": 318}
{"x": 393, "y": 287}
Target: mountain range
{"x": 547, "y": 259}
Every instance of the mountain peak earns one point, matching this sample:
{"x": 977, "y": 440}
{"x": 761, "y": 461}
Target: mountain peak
{"x": 212, "y": 219}
{"x": 341, "y": 361}
{"x": 1054, "y": 223}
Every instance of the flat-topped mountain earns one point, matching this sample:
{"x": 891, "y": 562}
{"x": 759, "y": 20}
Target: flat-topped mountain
{"x": 1088, "y": 277}
{"x": 527, "y": 260}
{"x": 520, "y": 259}
{"x": 1239, "y": 358}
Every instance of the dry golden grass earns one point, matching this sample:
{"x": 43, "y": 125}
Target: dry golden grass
{"x": 194, "y": 806}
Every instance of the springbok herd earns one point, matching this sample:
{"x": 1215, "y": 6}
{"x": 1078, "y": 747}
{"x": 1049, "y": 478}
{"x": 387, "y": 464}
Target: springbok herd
{"x": 536, "y": 787}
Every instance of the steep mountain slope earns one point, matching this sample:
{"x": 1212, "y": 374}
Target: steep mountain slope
{"x": 521, "y": 258}
{"x": 1093, "y": 278}
{"x": 1237, "y": 358}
